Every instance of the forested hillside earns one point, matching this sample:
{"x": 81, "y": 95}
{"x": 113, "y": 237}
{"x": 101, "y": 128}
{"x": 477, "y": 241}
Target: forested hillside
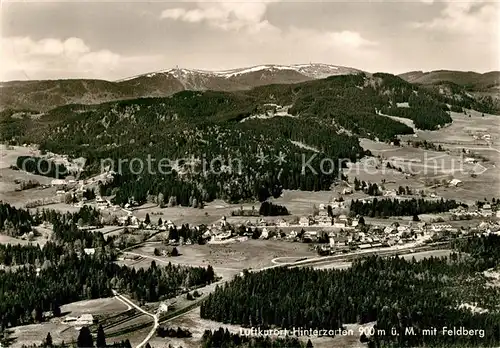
{"x": 227, "y": 145}
{"x": 61, "y": 271}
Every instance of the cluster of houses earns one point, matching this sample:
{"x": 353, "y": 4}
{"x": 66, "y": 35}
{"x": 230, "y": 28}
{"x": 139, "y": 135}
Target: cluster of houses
{"x": 486, "y": 211}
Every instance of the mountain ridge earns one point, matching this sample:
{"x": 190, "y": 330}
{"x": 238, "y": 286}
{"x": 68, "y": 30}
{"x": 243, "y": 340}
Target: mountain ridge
{"x": 43, "y": 95}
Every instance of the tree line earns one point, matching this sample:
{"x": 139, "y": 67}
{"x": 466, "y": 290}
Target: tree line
{"x": 401, "y": 207}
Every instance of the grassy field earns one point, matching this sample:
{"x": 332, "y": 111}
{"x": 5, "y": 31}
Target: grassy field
{"x": 430, "y": 165}
{"x": 36, "y": 333}
{"x": 298, "y": 203}
{"x": 227, "y": 259}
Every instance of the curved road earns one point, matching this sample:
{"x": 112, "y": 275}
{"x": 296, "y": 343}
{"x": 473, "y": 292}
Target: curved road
{"x": 129, "y": 303}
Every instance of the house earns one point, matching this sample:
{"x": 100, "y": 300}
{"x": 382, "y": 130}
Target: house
{"x": 221, "y": 236}
{"x": 265, "y": 233}
{"x": 470, "y": 160}
{"x": 310, "y": 235}
{"x": 304, "y": 221}
{"x": 262, "y": 222}
{"x": 486, "y": 210}
{"x": 323, "y": 219}
{"x": 403, "y": 229}
{"x": 455, "y": 183}
{"x": 390, "y": 193}
{"x": 390, "y": 230}
{"x": 58, "y": 182}
{"x": 169, "y": 224}
{"x": 347, "y": 191}
{"x": 282, "y": 223}
{"x": 223, "y": 221}
{"x": 439, "y": 228}
{"x": 101, "y": 203}
{"x": 89, "y": 251}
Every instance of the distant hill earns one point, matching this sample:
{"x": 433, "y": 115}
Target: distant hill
{"x": 47, "y": 94}
{"x": 468, "y": 79}
{"x": 460, "y": 85}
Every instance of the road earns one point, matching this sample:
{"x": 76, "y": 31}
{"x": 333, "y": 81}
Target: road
{"x": 155, "y": 316}
{"x": 129, "y": 303}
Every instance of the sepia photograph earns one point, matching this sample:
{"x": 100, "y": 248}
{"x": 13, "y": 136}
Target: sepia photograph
{"x": 249, "y": 174}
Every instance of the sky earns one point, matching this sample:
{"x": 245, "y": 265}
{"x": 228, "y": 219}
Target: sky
{"x": 115, "y": 39}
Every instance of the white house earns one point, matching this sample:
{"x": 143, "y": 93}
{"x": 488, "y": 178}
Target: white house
{"x": 169, "y": 224}
{"x": 390, "y": 193}
{"x": 304, "y": 221}
{"x": 455, "y": 182}
{"x": 347, "y": 191}
{"x": 89, "y": 251}
{"x": 283, "y": 223}
{"x": 58, "y": 182}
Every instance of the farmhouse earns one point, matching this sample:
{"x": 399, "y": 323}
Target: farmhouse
{"x": 323, "y": 219}
{"x": 83, "y": 320}
{"x": 339, "y": 223}
{"x": 455, "y": 183}
{"x": 470, "y": 160}
{"x": 89, "y": 251}
{"x": 282, "y": 223}
{"x": 486, "y": 210}
{"x": 390, "y": 193}
{"x": 304, "y": 221}
{"x": 347, "y": 191}
{"x": 58, "y": 182}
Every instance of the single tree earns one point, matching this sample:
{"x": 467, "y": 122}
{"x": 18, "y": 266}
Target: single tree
{"x": 48, "y": 340}
{"x": 101, "y": 337}
{"x": 84, "y": 339}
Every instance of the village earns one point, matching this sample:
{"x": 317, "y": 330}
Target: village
{"x": 326, "y": 229}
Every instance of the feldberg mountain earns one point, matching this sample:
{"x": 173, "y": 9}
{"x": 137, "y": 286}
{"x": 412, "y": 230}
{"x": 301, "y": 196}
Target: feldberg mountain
{"x": 47, "y": 94}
